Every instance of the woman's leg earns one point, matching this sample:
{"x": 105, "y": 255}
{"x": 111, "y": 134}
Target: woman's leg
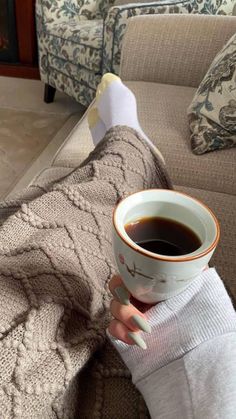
{"x": 55, "y": 261}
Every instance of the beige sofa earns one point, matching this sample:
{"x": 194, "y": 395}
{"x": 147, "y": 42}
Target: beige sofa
{"x": 164, "y": 58}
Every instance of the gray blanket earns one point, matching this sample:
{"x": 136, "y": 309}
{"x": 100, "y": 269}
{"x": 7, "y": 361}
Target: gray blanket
{"x": 55, "y": 263}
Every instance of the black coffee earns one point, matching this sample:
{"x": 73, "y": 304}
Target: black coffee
{"x": 163, "y": 236}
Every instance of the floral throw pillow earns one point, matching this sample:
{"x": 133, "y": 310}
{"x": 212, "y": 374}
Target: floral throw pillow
{"x": 212, "y": 113}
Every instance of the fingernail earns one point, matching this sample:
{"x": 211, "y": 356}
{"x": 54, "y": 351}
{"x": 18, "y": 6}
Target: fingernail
{"x": 141, "y": 323}
{"x": 122, "y": 295}
{"x": 137, "y": 340}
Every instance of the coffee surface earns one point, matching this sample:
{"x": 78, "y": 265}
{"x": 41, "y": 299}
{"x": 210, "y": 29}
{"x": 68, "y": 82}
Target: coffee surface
{"x": 163, "y": 236}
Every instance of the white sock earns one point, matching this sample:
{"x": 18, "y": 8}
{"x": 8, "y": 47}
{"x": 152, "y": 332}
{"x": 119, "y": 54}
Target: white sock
{"x": 96, "y": 126}
{"x": 117, "y": 106}
{"x": 98, "y": 132}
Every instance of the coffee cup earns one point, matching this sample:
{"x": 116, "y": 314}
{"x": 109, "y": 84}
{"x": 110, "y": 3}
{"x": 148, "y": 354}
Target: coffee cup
{"x": 151, "y": 277}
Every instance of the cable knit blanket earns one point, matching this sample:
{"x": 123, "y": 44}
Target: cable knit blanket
{"x": 55, "y": 263}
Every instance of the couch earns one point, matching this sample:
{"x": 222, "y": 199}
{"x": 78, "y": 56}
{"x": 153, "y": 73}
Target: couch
{"x": 80, "y": 40}
{"x": 164, "y": 58}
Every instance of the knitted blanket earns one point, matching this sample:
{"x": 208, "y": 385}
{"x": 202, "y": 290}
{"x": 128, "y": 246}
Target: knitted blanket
{"x": 56, "y": 260}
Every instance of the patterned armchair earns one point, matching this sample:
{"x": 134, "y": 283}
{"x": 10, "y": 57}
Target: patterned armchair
{"x": 70, "y": 43}
{"x": 79, "y": 40}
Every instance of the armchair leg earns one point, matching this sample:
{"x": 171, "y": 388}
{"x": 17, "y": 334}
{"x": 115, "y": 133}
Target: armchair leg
{"x": 49, "y": 93}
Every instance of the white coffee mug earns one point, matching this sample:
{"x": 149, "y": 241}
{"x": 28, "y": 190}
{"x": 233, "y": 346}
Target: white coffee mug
{"x": 152, "y": 277}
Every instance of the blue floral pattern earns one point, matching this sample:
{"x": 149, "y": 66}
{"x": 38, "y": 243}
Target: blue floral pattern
{"x": 212, "y": 7}
{"x": 212, "y": 114}
{"x": 56, "y": 10}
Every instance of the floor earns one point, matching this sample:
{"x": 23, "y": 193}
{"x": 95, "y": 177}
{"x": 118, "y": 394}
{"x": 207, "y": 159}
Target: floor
{"x": 31, "y": 131}
{"x": 27, "y": 95}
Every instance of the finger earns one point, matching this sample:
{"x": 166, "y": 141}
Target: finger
{"x": 116, "y": 281}
{"x": 119, "y": 331}
{"x": 130, "y": 316}
{"x": 118, "y": 290}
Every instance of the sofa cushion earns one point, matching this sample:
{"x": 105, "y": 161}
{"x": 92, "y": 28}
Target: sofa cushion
{"x": 223, "y": 206}
{"x": 163, "y": 117}
{"x": 118, "y": 18}
{"x": 77, "y": 40}
{"x": 162, "y": 114}
{"x": 212, "y": 113}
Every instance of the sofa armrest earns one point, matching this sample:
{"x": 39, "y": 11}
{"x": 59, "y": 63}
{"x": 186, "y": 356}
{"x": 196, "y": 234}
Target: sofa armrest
{"x": 173, "y": 49}
{"x": 116, "y": 22}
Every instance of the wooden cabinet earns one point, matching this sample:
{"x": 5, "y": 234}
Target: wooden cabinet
{"x": 26, "y": 66}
